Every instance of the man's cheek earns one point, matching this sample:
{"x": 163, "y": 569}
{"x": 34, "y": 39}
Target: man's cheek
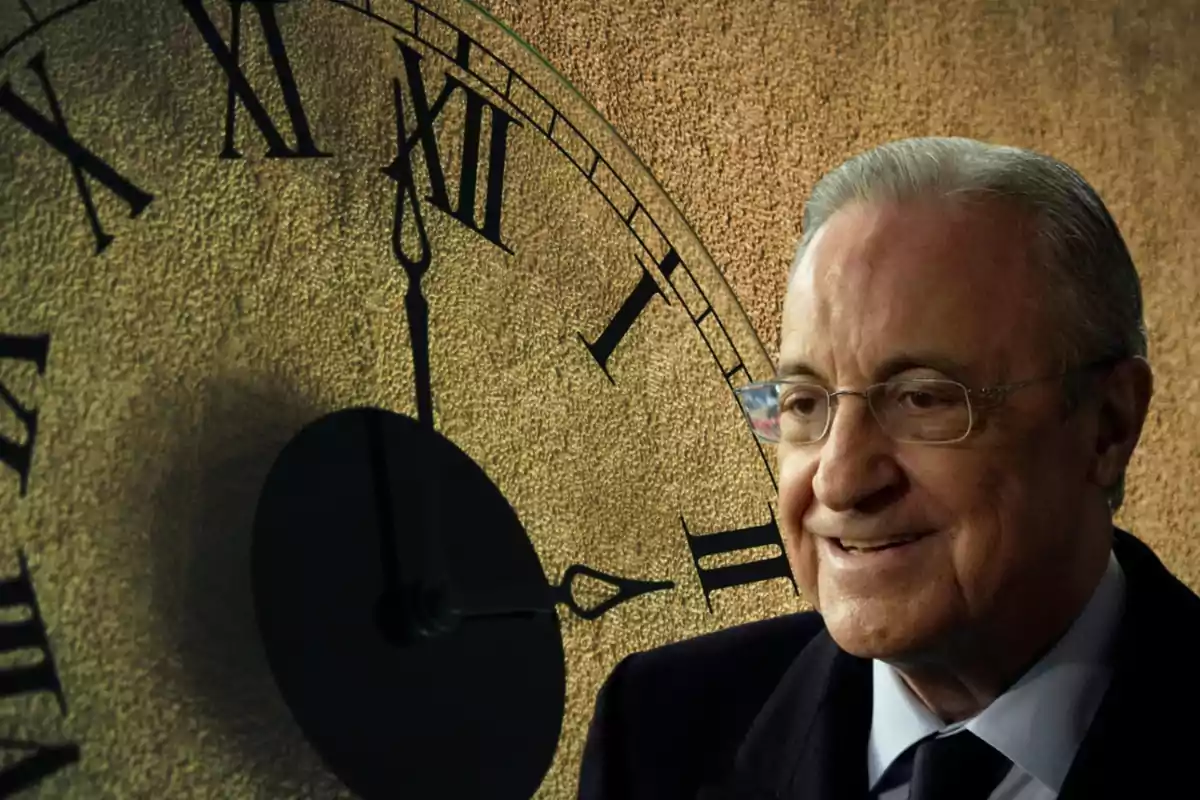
{"x": 795, "y": 473}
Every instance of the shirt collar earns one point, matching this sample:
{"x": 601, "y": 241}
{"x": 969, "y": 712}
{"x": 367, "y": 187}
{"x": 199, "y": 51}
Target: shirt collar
{"x": 1040, "y": 721}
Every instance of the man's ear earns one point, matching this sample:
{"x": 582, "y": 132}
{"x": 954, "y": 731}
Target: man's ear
{"x": 1122, "y": 401}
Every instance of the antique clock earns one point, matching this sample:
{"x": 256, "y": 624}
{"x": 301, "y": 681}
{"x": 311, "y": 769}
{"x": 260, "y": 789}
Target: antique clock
{"x": 363, "y": 401}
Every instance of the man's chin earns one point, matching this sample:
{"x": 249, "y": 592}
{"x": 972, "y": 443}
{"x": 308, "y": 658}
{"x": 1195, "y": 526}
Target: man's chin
{"x": 883, "y": 631}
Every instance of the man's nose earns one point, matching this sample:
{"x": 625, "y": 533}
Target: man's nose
{"x": 855, "y": 460}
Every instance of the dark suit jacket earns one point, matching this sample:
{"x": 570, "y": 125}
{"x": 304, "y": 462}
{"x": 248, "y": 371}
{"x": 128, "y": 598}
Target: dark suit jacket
{"x": 775, "y": 709}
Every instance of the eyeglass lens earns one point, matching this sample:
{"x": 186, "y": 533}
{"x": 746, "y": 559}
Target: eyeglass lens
{"x": 923, "y": 410}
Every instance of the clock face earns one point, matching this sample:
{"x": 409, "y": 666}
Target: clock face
{"x": 363, "y": 401}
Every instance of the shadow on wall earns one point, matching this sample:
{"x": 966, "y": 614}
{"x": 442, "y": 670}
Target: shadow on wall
{"x": 205, "y": 504}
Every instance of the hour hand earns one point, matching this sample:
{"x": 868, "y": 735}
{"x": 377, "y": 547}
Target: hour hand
{"x": 415, "y": 306}
{"x": 413, "y": 602}
{"x": 417, "y": 310}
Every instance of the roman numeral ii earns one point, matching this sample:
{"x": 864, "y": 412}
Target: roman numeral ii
{"x": 733, "y": 541}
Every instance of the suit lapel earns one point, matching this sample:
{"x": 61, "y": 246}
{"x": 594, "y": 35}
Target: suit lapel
{"x": 1099, "y": 748}
{"x": 1150, "y": 687}
{"x": 810, "y": 740}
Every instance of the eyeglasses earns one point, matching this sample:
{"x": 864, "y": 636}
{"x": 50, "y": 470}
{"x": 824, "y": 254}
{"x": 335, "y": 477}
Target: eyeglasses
{"x": 918, "y": 410}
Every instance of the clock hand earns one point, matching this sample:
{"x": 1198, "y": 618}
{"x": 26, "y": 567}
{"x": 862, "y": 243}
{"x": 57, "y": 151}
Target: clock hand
{"x": 417, "y": 310}
{"x": 412, "y": 603}
{"x": 415, "y": 306}
{"x": 627, "y": 589}
{"x": 385, "y": 519}
{"x": 389, "y": 551}
{"x": 413, "y": 599}
{"x": 394, "y": 684}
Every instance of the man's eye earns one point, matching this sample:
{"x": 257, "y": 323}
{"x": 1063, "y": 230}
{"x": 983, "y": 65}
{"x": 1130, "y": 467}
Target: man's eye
{"x": 918, "y": 399}
{"x": 801, "y": 401}
{"x": 926, "y": 398}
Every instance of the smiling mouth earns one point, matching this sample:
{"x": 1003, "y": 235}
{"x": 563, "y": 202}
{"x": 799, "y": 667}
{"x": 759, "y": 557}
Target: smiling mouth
{"x": 890, "y": 544}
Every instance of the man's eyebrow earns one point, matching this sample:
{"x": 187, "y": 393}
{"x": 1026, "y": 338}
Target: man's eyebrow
{"x": 937, "y": 362}
{"x": 894, "y": 365}
{"x": 797, "y": 368}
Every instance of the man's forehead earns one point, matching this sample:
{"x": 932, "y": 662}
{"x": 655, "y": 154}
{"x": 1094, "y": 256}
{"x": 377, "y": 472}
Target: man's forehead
{"x": 980, "y": 247}
{"x": 923, "y": 276}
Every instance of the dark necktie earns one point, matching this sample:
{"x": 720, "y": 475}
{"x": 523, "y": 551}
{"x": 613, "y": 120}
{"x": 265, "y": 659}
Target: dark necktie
{"x": 960, "y": 766}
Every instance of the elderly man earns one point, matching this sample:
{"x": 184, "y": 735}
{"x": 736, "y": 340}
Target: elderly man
{"x": 962, "y": 381}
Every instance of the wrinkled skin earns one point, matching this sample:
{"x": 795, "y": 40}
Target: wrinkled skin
{"x": 1019, "y": 530}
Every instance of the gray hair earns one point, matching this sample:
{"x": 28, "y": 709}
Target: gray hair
{"x": 1092, "y": 283}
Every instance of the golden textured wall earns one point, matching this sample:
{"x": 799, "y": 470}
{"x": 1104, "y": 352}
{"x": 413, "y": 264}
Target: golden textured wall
{"x": 738, "y": 108}
{"x": 252, "y": 296}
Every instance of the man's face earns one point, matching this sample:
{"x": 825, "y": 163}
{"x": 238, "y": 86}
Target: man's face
{"x": 911, "y": 290}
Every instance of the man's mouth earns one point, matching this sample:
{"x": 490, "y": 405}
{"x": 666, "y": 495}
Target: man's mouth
{"x": 876, "y": 545}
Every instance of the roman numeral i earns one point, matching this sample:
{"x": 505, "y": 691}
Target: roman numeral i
{"x": 643, "y": 292}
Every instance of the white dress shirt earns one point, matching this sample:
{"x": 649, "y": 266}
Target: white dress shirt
{"x": 1038, "y": 724}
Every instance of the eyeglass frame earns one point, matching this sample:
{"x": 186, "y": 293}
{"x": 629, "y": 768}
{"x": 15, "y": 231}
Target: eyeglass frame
{"x": 992, "y": 396}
